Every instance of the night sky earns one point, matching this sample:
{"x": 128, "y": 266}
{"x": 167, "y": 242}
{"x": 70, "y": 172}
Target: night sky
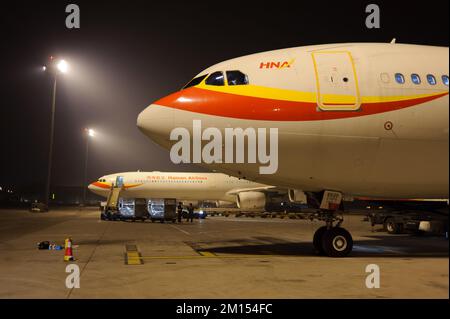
{"x": 128, "y": 53}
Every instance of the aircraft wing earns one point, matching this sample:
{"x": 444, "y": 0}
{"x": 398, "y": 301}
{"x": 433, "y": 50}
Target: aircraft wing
{"x": 263, "y": 189}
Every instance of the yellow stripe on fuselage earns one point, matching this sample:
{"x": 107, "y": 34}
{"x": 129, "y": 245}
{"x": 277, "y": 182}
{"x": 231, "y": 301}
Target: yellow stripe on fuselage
{"x": 262, "y": 92}
{"x": 299, "y": 96}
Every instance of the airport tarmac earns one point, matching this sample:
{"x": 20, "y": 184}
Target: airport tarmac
{"x": 219, "y": 257}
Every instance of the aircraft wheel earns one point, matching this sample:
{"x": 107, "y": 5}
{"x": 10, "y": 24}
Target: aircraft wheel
{"x": 337, "y": 242}
{"x": 392, "y": 227}
{"x": 317, "y": 240}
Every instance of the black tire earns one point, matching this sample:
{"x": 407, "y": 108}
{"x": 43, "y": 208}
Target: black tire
{"x": 337, "y": 242}
{"x": 392, "y": 227}
{"x": 317, "y": 240}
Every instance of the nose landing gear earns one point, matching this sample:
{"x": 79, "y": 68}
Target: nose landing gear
{"x": 332, "y": 240}
{"x": 337, "y": 242}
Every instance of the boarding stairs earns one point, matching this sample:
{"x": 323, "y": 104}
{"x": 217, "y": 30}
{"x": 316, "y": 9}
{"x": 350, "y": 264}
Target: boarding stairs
{"x": 112, "y": 203}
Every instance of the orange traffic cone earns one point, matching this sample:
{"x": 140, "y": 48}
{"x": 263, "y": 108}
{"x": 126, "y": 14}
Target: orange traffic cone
{"x": 68, "y": 255}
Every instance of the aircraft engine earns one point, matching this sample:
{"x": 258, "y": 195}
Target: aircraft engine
{"x": 297, "y": 196}
{"x": 251, "y": 200}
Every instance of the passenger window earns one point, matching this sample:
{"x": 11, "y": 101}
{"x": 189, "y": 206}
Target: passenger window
{"x": 415, "y": 78}
{"x": 195, "y": 81}
{"x": 445, "y": 79}
{"x": 431, "y": 79}
{"x": 399, "y": 78}
{"x": 236, "y": 78}
{"x": 215, "y": 78}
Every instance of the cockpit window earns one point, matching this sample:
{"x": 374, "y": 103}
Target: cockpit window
{"x": 215, "y": 78}
{"x": 236, "y": 78}
{"x": 195, "y": 81}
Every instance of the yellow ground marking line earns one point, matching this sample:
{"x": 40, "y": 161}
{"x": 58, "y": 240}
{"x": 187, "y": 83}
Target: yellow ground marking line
{"x": 132, "y": 255}
{"x": 208, "y": 256}
{"x": 206, "y": 253}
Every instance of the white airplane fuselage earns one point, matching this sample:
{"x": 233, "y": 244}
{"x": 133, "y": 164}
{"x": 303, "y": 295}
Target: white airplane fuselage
{"x": 181, "y": 186}
{"x": 346, "y": 119}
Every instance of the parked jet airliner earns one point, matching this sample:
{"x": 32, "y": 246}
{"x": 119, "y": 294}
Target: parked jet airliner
{"x": 359, "y": 119}
{"x": 223, "y": 189}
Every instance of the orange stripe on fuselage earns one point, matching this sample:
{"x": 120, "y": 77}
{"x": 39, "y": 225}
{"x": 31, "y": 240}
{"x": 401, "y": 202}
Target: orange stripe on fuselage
{"x": 102, "y": 185}
{"x": 108, "y": 185}
{"x": 131, "y": 185}
{"x": 256, "y": 108}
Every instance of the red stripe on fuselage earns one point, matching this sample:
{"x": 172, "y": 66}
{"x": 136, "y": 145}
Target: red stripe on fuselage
{"x": 255, "y": 108}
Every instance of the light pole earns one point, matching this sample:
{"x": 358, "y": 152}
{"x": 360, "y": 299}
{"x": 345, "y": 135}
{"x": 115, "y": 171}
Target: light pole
{"x": 56, "y": 68}
{"x": 89, "y": 134}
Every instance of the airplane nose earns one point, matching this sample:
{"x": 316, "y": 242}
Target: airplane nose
{"x": 156, "y": 122}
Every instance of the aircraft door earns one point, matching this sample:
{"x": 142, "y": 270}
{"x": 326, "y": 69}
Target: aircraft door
{"x": 336, "y": 81}
{"x": 119, "y": 181}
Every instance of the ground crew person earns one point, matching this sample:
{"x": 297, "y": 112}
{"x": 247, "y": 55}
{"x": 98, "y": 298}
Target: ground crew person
{"x": 179, "y": 211}
{"x": 191, "y": 212}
